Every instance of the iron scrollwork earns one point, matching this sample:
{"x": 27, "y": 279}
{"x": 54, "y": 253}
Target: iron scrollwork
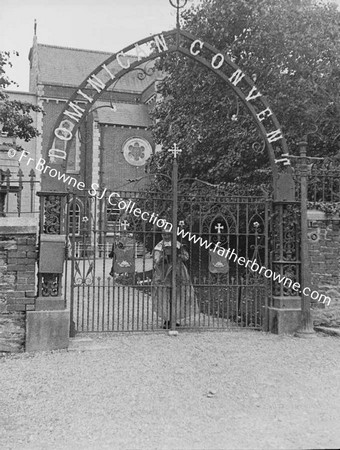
{"x": 286, "y": 245}
{"x": 50, "y": 285}
{"x": 52, "y": 211}
{"x": 145, "y": 71}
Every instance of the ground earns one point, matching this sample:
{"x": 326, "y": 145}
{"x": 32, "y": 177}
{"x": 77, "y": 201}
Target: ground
{"x": 208, "y": 390}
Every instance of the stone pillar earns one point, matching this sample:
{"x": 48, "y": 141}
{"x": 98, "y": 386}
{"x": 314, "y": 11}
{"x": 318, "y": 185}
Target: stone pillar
{"x": 48, "y": 325}
{"x": 17, "y": 279}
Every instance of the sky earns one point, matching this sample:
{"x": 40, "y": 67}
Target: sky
{"x": 107, "y": 25}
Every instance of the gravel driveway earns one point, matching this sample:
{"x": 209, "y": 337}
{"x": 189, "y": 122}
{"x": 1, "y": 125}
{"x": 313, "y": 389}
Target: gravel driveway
{"x": 208, "y": 390}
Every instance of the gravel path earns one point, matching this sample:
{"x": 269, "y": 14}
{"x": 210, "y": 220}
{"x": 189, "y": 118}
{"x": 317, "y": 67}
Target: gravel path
{"x": 209, "y": 390}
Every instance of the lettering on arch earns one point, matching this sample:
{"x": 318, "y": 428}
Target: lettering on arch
{"x": 149, "y": 48}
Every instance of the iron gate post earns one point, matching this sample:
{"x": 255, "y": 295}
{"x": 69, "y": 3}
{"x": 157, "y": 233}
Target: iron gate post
{"x": 174, "y": 241}
{"x": 71, "y": 253}
{"x": 284, "y": 311}
{"x": 306, "y": 320}
{"x": 267, "y": 260}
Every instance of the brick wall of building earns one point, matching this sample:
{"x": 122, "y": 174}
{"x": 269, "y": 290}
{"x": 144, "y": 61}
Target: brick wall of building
{"x": 17, "y": 279}
{"x": 116, "y": 170}
{"x": 52, "y": 109}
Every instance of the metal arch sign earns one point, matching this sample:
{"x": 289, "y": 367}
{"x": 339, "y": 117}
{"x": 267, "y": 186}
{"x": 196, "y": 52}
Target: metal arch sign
{"x": 133, "y": 56}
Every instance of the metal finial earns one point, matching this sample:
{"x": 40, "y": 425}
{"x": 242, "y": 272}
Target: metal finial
{"x": 178, "y": 5}
{"x": 35, "y": 27}
{"x": 175, "y": 150}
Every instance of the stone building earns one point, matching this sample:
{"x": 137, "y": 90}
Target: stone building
{"x": 114, "y": 144}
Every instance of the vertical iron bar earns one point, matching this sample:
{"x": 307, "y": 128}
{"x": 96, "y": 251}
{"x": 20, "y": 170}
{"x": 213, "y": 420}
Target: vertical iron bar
{"x": 83, "y": 307}
{"x": 78, "y": 302}
{"x": 67, "y": 253}
{"x": 128, "y": 306}
{"x": 98, "y": 304}
{"x": 85, "y": 304}
{"x": 119, "y": 287}
{"x": 102, "y": 241}
{"x": 72, "y": 287}
{"x": 174, "y": 241}
{"x": 31, "y": 182}
{"x": 123, "y": 307}
{"x": 133, "y": 312}
{"x": 268, "y": 286}
{"x": 20, "y": 174}
{"x": 114, "y": 293}
{"x": 143, "y": 306}
{"x": 306, "y": 320}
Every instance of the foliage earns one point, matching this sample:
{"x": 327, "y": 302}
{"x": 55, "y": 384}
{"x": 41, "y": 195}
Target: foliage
{"x": 329, "y": 208}
{"x": 15, "y": 115}
{"x": 290, "y": 48}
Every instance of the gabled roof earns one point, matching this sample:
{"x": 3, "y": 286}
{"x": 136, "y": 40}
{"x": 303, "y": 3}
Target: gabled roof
{"x": 65, "y": 66}
{"x": 134, "y": 115}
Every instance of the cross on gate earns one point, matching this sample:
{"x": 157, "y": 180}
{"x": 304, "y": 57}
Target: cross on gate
{"x": 219, "y": 227}
{"x": 125, "y": 224}
{"x": 174, "y": 150}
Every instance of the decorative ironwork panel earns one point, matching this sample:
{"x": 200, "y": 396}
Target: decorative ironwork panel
{"x": 52, "y": 214}
{"x": 52, "y": 218}
{"x": 50, "y": 285}
{"x": 285, "y": 237}
{"x": 324, "y": 185}
{"x": 130, "y": 229}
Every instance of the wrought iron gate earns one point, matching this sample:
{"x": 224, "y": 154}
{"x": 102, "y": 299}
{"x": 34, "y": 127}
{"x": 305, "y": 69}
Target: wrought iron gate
{"x": 118, "y": 271}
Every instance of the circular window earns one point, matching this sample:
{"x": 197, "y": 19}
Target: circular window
{"x": 137, "y": 151}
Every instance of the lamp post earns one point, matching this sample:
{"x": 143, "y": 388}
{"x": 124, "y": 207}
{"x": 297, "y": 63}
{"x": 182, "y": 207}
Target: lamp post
{"x": 303, "y": 165}
{"x": 173, "y": 313}
{"x": 306, "y": 319}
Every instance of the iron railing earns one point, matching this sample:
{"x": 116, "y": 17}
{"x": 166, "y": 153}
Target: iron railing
{"x": 324, "y": 182}
{"x": 18, "y": 193}
{"x": 104, "y": 297}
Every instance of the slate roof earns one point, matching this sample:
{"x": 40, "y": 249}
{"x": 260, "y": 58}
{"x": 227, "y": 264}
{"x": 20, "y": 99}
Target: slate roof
{"x": 65, "y": 66}
{"x": 135, "y": 115}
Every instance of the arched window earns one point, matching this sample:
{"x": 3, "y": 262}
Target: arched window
{"x": 113, "y": 216}
{"x": 74, "y": 218}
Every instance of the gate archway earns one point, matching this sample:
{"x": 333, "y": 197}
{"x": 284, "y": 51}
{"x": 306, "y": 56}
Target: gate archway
{"x": 133, "y": 57}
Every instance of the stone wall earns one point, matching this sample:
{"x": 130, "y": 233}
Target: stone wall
{"x": 324, "y": 251}
{"x": 17, "y": 279}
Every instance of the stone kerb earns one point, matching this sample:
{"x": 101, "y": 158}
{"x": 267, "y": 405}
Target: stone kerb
{"x": 17, "y": 279}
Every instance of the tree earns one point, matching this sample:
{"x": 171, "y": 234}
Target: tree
{"x": 291, "y": 48}
{"x": 15, "y": 115}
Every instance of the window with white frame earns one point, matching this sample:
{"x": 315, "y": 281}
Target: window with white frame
{"x": 74, "y": 218}
{"x": 113, "y": 215}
